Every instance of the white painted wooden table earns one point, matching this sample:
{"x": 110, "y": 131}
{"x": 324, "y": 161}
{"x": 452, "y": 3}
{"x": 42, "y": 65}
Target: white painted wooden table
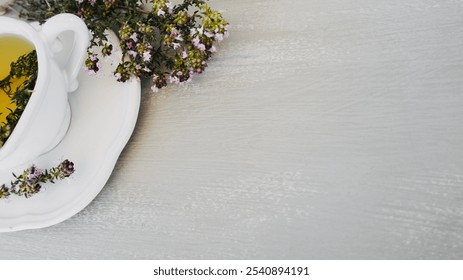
{"x": 322, "y": 129}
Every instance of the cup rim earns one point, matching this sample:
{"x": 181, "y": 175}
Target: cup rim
{"x": 10, "y": 26}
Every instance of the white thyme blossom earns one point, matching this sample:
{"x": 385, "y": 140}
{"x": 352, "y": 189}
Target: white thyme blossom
{"x": 132, "y": 53}
{"x": 146, "y": 56}
{"x": 193, "y": 31}
{"x": 170, "y": 7}
{"x": 154, "y": 89}
{"x": 174, "y": 32}
{"x": 174, "y": 80}
{"x": 134, "y": 37}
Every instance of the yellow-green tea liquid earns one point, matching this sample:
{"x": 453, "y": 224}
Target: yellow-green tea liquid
{"x": 11, "y": 48}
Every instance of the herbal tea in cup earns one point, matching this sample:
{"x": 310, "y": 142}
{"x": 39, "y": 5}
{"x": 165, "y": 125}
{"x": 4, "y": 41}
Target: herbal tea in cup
{"x": 34, "y": 107}
{"x": 18, "y": 73}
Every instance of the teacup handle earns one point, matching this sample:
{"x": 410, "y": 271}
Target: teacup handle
{"x": 58, "y": 24}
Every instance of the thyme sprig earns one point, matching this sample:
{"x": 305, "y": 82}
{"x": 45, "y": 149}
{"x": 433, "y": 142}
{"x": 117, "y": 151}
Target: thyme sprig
{"x": 24, "y": 68}
{"x": 30, "y": 181}
{"x": 159, "y": 40}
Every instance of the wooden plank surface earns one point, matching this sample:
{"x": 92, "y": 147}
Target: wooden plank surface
{"x": 322, "y": 129}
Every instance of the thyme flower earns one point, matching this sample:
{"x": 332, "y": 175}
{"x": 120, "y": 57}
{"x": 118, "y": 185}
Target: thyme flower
{"x": 159, "y": 40}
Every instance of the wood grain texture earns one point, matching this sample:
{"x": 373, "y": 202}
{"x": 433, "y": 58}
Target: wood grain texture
{"x": 322, "y": 129}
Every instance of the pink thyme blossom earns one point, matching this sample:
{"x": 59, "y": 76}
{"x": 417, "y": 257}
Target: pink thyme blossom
{"x": 148, "y": 46}
{"x": 195, "y": 41}
{"x": 90, "y": 72}
{"x": 34, "y": 174}
{"x": 218, "y": 37}
{"x": 201, "y": 47}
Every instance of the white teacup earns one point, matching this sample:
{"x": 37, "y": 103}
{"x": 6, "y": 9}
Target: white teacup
{"x": 47, "y": 115}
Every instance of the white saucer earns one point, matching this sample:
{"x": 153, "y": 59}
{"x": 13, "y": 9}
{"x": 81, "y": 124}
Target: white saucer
{"x": 104, "y": 113}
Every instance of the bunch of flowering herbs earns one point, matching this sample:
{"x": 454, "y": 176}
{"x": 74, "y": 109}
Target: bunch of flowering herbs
{"x": 159, "y": 40}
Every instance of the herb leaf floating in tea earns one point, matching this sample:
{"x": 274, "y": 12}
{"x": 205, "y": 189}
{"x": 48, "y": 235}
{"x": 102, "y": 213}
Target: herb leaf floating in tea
{"x": 159, "y": 40}
{"x": 18, "y": 85}
{"x": 30, "y": 181}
